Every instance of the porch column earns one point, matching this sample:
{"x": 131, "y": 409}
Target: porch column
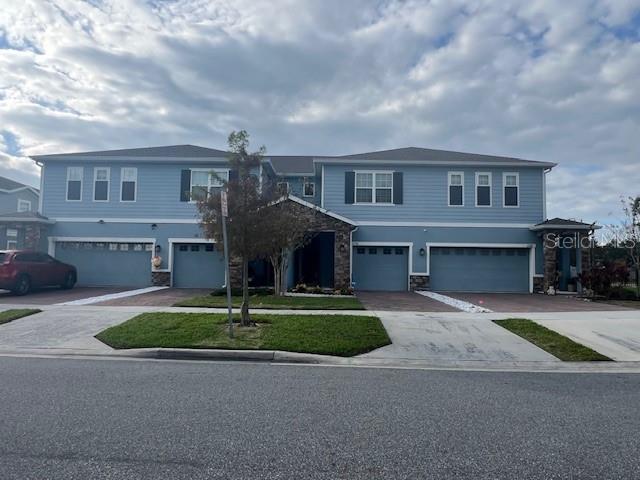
{"x": 342, "y": 257}
{"x": 550, "y": 249}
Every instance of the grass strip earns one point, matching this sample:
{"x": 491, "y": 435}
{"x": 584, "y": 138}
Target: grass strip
{"x": 16, "y": 313}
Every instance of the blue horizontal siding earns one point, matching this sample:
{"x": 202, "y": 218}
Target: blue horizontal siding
{"x": 9, "y": 201}
{"x": 426, "y": 196}
{"x": 158, "y": 191}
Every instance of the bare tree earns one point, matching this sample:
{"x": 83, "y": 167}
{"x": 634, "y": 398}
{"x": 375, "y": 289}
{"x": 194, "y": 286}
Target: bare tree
{"x": 247, "y": 205}
{"x": 287, "y": 231}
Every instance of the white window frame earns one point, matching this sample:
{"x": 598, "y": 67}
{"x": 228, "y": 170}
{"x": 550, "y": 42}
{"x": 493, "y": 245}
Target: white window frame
{"x": 490, "y": 189}
{"x": 11, "y": 232}
{"x": 304, "y": 188}
{"x": 95, "y": 179}
{"x": 504, "y": 186}
{"x": 220, "y": 172}
{"x": 12, "y": 244}
{"x": 81, "y": 170}
{"x": 449, "y": 185}
{"x": 24, "y": 202}
{"x": 135, "y": 188}
{"x": 373, "y": 187}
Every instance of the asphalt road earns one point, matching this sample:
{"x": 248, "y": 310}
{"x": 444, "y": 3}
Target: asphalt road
{"x": 94, "y": 419}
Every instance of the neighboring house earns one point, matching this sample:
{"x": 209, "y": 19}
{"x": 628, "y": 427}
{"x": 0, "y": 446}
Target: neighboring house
{"x": 390, "y": 220}
{"x": 19, "y": 222}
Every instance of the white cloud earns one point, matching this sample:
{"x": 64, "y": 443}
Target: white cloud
{"x": 543, "y": 80}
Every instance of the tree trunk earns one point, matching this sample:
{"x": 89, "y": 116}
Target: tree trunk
{"x": 245, "y": 319}
{"x": 276, "y": 275}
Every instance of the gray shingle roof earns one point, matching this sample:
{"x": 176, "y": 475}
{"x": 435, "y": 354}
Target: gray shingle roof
{"x": 564, "y": 223}
{"x": 284, "y": 164}
{"x": 8, "y": 184}
{"x": 428, "y": 154}
{"x": 24, "y": 217}
{"x": 187, "y": 151}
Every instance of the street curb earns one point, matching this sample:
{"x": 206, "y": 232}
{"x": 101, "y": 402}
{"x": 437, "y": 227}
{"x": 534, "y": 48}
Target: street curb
{"x": 226, "y": 355}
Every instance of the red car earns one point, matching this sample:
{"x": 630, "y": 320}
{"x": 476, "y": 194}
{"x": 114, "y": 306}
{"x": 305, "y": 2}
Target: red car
{"x": 20, "y": 270}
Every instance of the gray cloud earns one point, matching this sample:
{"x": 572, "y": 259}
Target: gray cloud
{"x": 544, "y": 80}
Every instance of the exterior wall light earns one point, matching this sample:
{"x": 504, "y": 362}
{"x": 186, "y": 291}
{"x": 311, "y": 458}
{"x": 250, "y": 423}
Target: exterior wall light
{"x": 154, "y": 226}
{"x": 422, "y": 252}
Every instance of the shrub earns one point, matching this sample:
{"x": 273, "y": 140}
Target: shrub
{"x": 601, "y": 279}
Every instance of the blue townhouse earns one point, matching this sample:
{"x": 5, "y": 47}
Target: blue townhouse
{"x": 395, "y": 220}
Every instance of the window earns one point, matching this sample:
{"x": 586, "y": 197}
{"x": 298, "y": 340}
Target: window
{"x": 24, "y": 205}
{"x": 386, "y": 251}
{"x": 203, "y": 182}
{"x": 195, "y": 248}
{"x": 283, "y": 188}
{"x": 208, "y": 247}
{"x": 373, "y": 251}
{"x": 12, "y": 232}
{"x": 101, "y": 184}
{"x": 128, "y": 184}
{"x": 374, "y": 187}
{"x": 309, "y": 189}
{"x": 456, "y": 189}
{"x": 360, "y": 250}
{"x": 74, "y": 184}
{"x": 483, "y": 189}
{"x": 12, "y": 244}
{"x": 399, "y": 251}
{"x": 511, "y": 186}
{"x": 183, "y": 248}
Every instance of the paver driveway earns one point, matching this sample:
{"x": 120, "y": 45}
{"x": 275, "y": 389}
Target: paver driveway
{"x": 401, "y": 302}
{"x": 51, "y": 296}
{"x": 525, "y": 302}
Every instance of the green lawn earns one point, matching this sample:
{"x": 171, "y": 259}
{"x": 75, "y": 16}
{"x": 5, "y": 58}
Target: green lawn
{"x": 275, "y": 302}
{"x": 10, "y": 315}
{"x": 557, "y": 345}
{"x": 342, "y": 335}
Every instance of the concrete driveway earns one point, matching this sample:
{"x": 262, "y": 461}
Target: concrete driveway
{"x": 161, "y": 298}
{"x": 447, "y": 338}
{"x": 60, "y": 329}
{"x": 614, "y": 334}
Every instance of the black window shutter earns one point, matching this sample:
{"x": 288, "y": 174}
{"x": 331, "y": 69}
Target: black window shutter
{"x": 185, "y": 186}
{"x": 349, "y": 187}
{"x": 397, "y": 188}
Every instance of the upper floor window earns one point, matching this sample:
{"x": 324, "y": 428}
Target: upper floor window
{"x": 456, "y": 189}
{"x": 283, "y": 188}
{"x": 24, "y": 205}
{"x": 511, "y": 186}
{"x": 203, "y": 181}
{"x": 309, "y": 189}
{"x": 483, "y": 189}
{"x": 374, "y": 187}
{"x": 101, "y": 184}
{"x": 74, "y": 184}
{"x": 128, "y": 184}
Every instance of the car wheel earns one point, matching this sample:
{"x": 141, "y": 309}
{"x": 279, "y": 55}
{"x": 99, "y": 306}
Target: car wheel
{"x": 69, "y": 281}
{"x": 23, "y": 285}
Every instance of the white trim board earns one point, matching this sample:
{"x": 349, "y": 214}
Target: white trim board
{"x": 530, "y": 246}
{"x": 125, "y": 220}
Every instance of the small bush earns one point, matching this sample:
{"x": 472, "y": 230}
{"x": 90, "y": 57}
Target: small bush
{"x": 601, "y": 279}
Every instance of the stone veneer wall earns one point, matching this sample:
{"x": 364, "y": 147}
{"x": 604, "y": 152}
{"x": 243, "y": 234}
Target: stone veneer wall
{"x": 160, "y": 279}
{"x": 321, "y": 223}
{"x": 419, "y": 282}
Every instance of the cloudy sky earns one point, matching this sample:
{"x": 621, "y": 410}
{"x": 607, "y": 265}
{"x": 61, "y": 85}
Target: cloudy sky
{"x": 544, "y": 80}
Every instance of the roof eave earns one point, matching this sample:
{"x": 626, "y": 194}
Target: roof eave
{"x": 347, "y": 161}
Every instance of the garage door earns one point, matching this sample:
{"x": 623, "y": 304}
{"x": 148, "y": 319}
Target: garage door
{"x": 479, "y": 269}
{"x": 380, "y": 268}
{"x": 197, "y": 265}
{"x": 108, "y": 264}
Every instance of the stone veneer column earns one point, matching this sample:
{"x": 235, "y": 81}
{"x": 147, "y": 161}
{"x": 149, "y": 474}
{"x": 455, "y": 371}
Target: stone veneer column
{"x": 550, "y": 263}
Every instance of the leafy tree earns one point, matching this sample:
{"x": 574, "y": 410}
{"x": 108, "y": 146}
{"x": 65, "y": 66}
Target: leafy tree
{"x": 247, "y": 206}
{"x": 631, "y": 231}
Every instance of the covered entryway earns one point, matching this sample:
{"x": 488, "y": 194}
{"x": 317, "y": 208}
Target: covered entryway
{"x": 313, "y": 264}
{"x": 101, "y": 264}
{"x": 377, "y": 267}
{"x": 472, "y": 269}
{"x": 197, "y": 265}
